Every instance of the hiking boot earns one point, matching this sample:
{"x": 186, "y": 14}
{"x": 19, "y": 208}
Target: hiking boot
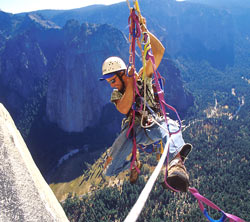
{"x": 134, "y": 174}
{"x": 177, "y": 175}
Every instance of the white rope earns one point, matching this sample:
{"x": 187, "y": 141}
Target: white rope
{"x": 155, "y": 121}
{"x": 128, "y": 4}
{"x": 137, "y": 208}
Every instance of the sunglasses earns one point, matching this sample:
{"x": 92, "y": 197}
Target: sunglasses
{"x": 120, "y": 73}
{"x": 112, "y": 80}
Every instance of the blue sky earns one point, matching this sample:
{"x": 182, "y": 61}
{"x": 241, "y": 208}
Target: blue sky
{"x": 16, "y": 6}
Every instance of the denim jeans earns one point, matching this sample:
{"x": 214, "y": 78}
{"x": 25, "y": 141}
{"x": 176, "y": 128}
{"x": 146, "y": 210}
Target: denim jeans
{"x": 122, "y": 146}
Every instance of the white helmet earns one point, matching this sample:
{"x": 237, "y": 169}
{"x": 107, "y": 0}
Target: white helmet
{"x": 112, "y": 65}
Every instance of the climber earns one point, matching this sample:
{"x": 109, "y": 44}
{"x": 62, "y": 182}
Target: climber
{"x": 114, "y": 72}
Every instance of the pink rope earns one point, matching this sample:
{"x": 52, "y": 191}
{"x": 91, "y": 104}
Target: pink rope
{"x": 201, "y": 199}
{"x": 135, "y": 32}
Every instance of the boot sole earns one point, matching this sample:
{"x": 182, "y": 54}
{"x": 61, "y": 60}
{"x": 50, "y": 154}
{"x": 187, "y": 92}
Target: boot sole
{"x": 178, "y": 182}
{"x": 185, "y": 150}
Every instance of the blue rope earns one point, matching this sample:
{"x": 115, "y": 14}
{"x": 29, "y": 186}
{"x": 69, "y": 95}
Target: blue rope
{"x": 222, "y": 219}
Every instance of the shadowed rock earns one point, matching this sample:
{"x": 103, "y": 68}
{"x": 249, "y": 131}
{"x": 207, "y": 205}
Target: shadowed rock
{"x": 24, "y": 194}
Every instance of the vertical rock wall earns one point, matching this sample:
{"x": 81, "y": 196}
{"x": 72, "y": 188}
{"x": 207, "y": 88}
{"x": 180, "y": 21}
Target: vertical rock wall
{"x": 24, "y": 194}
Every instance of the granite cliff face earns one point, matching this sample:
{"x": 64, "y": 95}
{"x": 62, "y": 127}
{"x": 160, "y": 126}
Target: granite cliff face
{"x": 25, "y": 61}
{"x": 39, "y": 59}
{"x": 74, "y": 89}
{"x": 24, "y": 194}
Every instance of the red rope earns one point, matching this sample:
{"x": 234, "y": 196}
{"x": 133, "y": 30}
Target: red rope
{"x": 135, "y": 32}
